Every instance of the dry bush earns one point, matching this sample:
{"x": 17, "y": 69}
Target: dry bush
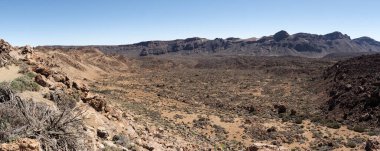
{"x": 24, "y": 68}
{"x": 62, "y": 99}
{"x": 55, "y": 129}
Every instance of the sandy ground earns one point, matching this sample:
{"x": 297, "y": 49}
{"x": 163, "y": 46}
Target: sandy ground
{"x": 9, "y": 74}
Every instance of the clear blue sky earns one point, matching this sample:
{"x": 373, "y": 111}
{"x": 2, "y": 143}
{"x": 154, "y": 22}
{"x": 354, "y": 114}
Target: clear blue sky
{"x": 83, "y": 22}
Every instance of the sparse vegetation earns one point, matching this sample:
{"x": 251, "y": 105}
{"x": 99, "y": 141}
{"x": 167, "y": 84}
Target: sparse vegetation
{"x": 25, "y": 83}
{"x": 62, "y": 99}
{"x": 358, "y": 128}
{"x": 201, "y": 122}
{"x": 351, "y": 144}
{"x": 24, "y": 68}
{"x": 333, "y": 124}
{"x": 219, "y": 129}
{"x": 54, "y": 129}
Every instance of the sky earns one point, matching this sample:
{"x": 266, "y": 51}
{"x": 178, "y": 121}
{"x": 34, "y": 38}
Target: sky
{"x": 109, "y": 22}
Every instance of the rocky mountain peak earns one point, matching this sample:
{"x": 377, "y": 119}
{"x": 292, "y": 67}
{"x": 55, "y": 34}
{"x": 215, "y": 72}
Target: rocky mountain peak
{"x": 336, "y": 35}
{"x": 367, "y": 40}
{"x": 194, "y": 39}
{"x": 281, "y": 35}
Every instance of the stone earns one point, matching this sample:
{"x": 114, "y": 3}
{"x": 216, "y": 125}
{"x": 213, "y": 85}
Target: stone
{"x": 43, "y": 81}
{"x": 372, "y": 144}
{"x": 348, "y": 86}
{"x": 58, "y": 86}
{"x": 68, "y": 82}
{"x": 131, "y": 132}
{"x": 24, "y": 144}
{"x": 271, "y": 129}
{"x": 102, "y": 133}
{"x": 115, "y": 113}
{"x": 97, "y": 103}
{"x": 280, "y": 108}
{"x": 59, "y": 78}
{"x": 153, "y": 146}
{"x": 27, "y": 50}
{"x": 293, "y": 112}
{"x": 161, "y": 130}
{"x": 80, "y": 86}
{"x": 43, "y": 70}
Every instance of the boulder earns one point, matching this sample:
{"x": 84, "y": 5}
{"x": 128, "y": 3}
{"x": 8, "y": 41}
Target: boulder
{"x": 58, "y": 86}
{"x": 81, "y": 86}
{"x": 96, "y": 102}
{"x": 102, "y": 133}
{"x": 27, "y": 50}
{"x": 43, "y": 70}
{"x": 68, "y": 82}
{"x": 43, "y": 81}
{"x": 59, "y": 77}
{"x": 280, "y": 108}
{"x": 5, "y": 47}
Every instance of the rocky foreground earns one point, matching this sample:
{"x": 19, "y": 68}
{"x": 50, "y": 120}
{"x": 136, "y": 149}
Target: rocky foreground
{"x": 56, "y": 82}
{"x": 353, "y": 86}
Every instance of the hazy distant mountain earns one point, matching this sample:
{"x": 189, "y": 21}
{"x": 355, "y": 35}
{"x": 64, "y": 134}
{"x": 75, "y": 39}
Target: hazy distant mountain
{"x": 279, "y": 44}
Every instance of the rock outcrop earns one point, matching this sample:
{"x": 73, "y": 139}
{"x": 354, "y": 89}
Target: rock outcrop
{"x": 5, "y": 49}
{"x": 23, "y": 144}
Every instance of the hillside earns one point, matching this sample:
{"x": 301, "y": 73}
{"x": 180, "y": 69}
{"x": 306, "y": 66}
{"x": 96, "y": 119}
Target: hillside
{"x": 353, "y": 86}
{"x": 80, "y": 98}
{"x": 279, "y": 44}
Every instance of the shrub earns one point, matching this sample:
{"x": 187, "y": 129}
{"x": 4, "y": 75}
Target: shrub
{"x": 219, "y": 129}
{"x": 333, "y": 124}
{"x": 202, "y": 122}
{"x": 316, "y": 119}
{"x": 24, "y": 83}
{"x": 373, "y": 133}
{"x": 24, "y": 68}
{"x": 54, "y": 129}
{"x": 298, "y": 120}
{"x": 31, "y": 75}
{"x": 351, "y": 144}
{"x": 62, "y": 99}
{"x": 359, "y": 129}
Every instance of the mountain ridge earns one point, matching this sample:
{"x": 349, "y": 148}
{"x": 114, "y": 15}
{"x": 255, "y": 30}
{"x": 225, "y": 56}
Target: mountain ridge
{"x": 279, "y": 44}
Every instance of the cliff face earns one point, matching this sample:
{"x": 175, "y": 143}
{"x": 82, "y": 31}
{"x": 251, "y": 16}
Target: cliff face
{"x": 280, "y": 44}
